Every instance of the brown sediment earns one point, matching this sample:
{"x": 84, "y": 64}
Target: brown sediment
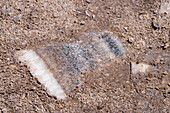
{"x": 137, "y": 23}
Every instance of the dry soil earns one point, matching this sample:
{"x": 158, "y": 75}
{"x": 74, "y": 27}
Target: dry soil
{"x": 113, "y": 88}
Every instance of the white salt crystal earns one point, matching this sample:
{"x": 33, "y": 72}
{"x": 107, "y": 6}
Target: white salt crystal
{"x": 39, "y": 70}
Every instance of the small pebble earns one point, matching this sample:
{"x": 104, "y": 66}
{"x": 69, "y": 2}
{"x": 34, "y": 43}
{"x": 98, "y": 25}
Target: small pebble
{"x": 82, "y": 22}
{"x": 88, "y": 1}
{"x": 139, "y": 68}
{"x": 8, "y": 59}
{"x": 146, "y": 38}
{"x": 131, "y": 39}
{"x": 125, "y": 28}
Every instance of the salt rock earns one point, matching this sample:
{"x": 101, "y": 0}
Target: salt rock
{"x": 39, "y": 69}
{"x": 59, "y": 66}
{"x": 139, "y": 68}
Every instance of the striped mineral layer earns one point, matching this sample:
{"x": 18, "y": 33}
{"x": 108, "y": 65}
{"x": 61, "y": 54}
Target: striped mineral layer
{"x": 58, "y": 67}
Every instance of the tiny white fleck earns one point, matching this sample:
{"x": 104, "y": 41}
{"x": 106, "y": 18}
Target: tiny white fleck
{"x": 20, "y": 15}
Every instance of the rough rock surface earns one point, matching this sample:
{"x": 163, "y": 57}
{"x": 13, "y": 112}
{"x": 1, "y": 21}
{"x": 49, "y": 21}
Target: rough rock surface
{"x": 27, "y": 24}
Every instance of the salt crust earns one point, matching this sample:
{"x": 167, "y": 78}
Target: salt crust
{"x": 69, "y": 60}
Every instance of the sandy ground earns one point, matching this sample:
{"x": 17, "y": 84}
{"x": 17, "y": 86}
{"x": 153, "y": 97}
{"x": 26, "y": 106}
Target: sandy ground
{"x": 137, "y": 23}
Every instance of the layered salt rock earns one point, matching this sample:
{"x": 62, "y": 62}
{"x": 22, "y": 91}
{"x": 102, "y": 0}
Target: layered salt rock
{"x": 139, "y": 68}
{"x": 59, "y": 67}
{"x": 39, "y": 70}
{"x": 165, "y": 7}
